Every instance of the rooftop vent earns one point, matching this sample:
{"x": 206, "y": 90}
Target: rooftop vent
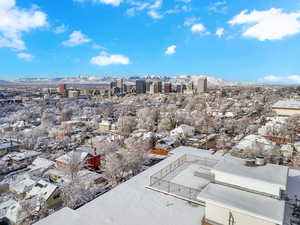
{"x": 260, "y": 160}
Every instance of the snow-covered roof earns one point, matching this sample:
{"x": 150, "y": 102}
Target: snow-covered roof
{"x": 65, "y": 216}
{"x": 250, "y": 141}
{"x": 4, "y": 206}
{"x": 42, "y": 189}
{"x": 287, "y": 148}
{"x": 183, "y": 129}
{"x": 41, "y": 163}
{"x": 105, "y": 123}
{"x": 22, "y": 184}
{"x": 8, "y": 144}
{"x": 85, "y": 176}
{"x": 271, "y": 173}
{"x": 255, "y": 205}
{"x": 292, "y": 104}
{"x": 66, "y": 158}
{"x": 21, "y": 155}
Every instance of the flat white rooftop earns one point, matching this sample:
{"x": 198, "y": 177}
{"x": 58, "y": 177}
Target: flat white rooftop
{"x": 255, "y": 205}
{"x": 271, "y": 173}
{"x": 289, "y": 104}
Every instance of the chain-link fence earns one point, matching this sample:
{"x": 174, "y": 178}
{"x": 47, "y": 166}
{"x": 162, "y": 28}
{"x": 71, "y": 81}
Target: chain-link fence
{"x": 159, "y": 182}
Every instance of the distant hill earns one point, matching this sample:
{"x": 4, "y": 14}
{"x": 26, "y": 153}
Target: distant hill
{"x": 4, "y": 82}
{"x": 212, "y": 81}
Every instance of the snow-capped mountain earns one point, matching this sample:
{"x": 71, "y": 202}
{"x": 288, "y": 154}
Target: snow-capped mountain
{"x": 211, "y": 81}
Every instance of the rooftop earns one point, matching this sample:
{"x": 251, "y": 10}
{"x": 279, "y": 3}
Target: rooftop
{"x": 287, "y": 104}
{"x": 244, "y": 202}
{"x": 271, "y": 173}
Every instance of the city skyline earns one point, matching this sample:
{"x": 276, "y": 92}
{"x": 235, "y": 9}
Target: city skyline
{"x": 229, "y": 40}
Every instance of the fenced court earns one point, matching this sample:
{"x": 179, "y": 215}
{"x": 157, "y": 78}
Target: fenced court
{"x": 192, "y": 174}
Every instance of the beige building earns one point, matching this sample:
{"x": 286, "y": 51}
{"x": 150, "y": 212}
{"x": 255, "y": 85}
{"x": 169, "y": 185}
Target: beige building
{"x": 287, "y": 107}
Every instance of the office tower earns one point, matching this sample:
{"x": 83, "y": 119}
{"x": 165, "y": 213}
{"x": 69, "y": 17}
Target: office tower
{"x": 154, "y": 88}
{"x": 62, "y": 89}
{"x": 159, "y": 86}
{"x": 120, "y": 85}
{"x": 167, "y": 87}
{"x": 140, "y": 86}
{"x": 202, "y": 85}
{"x": 148, "y": 84}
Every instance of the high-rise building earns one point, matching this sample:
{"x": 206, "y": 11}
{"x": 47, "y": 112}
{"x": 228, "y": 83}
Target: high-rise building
{"x": 159, "y": 86}
{"x": 189, "y": 88}
{"x": 120, "y": 85}
{"x": 154, "y": 88}
{"x": 140, "y": 86}
{"x": 167, "y": 87}
{"x": 148, "y": 84}
{"x": 202, "y": 85}
{"x": 180, "y": 88}
{"x": 62, "y": 90}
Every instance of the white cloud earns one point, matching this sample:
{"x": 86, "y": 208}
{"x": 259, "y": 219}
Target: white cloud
{"x": 171, "y": 50}
{"x": 105, "y": 59}
{"x": 272, "y": 78}
{"x": 190, "y": 21}
{"x": 106, "y": 2}
{"x": 198, "y": 28}
{"x": 220, "y": 31}
{"x": 152, "y": 8}
{"x": 109, "y": 2}
{"x": 60, "y": 29}
{"x": 272, "y": 24}
{"x": 292, "y": 79}
{"x": 76, "y": 38}
{"x": 15, "y": 21}
{"x": 154, "y": 14}
{"x": 25, "y": 56}
{"x": 218, "y": 7}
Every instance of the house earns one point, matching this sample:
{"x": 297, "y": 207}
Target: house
{"x": 183, "y": 130}
{"x": 105, "y": 126}
{"x": 71, "y": 159}
{"x": 55, "y": 175}
{"x": 287, "y": 107}
{"x": 251, "y": 141}
{"x": 47, "y": 192}
{"x": 93, "y": 160}
{"x": 4, "y": 207}
{"x": 21, "y": 157}
{"x": 40, "y": 165}
{"x": 8, "y": 146}
{"x": 20, "y": 185}
{"x": 5, "y": 128}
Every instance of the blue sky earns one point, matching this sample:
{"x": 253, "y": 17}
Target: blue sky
{"x": 238, "y": 40}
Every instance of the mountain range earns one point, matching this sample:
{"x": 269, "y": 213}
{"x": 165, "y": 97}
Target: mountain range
{"x": 212, "y": 81}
